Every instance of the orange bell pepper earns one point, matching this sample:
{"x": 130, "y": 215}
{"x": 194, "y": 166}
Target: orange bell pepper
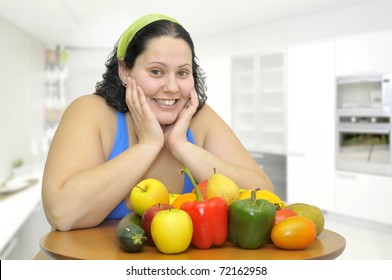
{"x": 210, "y": 218}
{"x": 182, "y": 199}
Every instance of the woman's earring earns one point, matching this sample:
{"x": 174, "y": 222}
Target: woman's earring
{"x": 123, "y": 84}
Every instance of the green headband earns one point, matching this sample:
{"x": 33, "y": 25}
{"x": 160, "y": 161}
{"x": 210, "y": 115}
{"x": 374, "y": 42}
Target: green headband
{"x": 138, "y": 24}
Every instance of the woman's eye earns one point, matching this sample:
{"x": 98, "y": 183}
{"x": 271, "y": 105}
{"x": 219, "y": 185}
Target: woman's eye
{"x": 183, "y": 73}
{"x": 156, "y": 72}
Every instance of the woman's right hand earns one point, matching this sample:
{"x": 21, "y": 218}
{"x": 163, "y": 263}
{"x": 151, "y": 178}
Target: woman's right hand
{"x": 145, "y": 123}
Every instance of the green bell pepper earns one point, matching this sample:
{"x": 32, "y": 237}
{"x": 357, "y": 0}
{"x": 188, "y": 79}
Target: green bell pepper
{"x": 251, "y": 221}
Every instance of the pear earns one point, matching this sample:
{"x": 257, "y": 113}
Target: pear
{"x": 222, "y": 186}
{"x": 309, "y": 211}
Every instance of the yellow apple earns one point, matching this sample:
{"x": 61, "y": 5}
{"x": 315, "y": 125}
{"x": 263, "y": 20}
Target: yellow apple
{"x": 173, "y": 196}
{"x": 148, "y": 193}
{"x": 172, "y": 231}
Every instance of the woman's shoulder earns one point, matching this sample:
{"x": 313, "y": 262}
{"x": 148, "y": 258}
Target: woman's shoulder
{"x": 90, "y": 104}
{"x": 207, "y": 116}
{"x": 90, "y": 115}
{"x": 89, "y": 101}
{"x": 205, "y": 121}
{"x": 89, "y": 110}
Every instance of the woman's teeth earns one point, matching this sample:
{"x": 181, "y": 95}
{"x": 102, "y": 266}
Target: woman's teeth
{"x": 167, "y": 102}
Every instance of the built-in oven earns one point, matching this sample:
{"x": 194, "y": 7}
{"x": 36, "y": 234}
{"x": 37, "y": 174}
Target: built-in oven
{"x": 364, "y": 144}
{"x": 363, "y": 124}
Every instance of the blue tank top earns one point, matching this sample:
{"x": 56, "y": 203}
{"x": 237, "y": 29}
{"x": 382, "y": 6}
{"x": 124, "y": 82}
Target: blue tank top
{"x": 121, "y": 143}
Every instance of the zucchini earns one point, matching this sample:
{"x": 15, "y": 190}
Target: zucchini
{"x": 130, "y": 236}
{"x": 131, "y": 217}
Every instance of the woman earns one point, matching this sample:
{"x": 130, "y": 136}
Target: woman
{"x": 147, "y": 119}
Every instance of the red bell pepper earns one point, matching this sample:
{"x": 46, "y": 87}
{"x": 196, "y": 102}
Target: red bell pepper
{"x": 210, "y": 218}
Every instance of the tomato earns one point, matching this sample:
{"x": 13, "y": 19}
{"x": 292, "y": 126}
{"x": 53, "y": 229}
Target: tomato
{"x": 283, "y": 213}
{"x": 294, "y": 233}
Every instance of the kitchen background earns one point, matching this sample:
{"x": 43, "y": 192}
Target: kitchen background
{"x": 275, "y": 76}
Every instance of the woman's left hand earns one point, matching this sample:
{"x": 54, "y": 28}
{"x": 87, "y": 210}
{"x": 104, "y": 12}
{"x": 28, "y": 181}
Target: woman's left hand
{"x": 175, "y": 133}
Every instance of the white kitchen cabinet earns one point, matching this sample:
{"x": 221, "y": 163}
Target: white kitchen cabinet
{"x": 311, "y": 124}
{"x": 23, "y": 218}
{"x": 259, "y": 115}
{"x": 364, "y": 196}
{"x": 364, "y": 54}
{"x": 29, "y": 235}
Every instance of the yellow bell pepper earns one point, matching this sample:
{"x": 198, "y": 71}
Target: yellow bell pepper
{"x": 264, "y": 194}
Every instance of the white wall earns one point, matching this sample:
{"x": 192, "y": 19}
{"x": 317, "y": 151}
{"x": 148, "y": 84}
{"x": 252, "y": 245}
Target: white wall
{"x": 22, "y": 95}
{"x": 215, "y": 52}
{"x": 22, "y": 120}
{"x": 86, "y": 67}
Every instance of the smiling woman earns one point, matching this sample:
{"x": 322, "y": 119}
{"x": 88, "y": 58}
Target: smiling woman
{"x": 147, "y": 119}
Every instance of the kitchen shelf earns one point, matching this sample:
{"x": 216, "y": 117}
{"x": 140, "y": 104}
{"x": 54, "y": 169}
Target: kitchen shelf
{"x": 272, "y": 130}
{"x": 278, "y": 70}
{"x": 258, "y": 109}
{"x": 244, "y": 65}
{"x": 244, "y": 110}
{"x": 268, "y": 91}
{"x": 246, "y": 92}
{"x": 247, "y": 129}
{"x": 279, "y": 110}
{"x": 242, "y": 74}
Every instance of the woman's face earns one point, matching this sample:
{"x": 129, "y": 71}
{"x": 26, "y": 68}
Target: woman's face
{"x": 164, "y": 72}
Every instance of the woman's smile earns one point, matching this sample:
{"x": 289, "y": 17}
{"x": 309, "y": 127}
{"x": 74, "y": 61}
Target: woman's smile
{"x": 166, "y": 109}
{"x": 165, "y": 102}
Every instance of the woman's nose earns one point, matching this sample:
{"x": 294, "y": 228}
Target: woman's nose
{"x": 171, "y": 84}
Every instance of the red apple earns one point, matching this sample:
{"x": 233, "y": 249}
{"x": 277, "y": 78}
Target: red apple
{"x": 147, "y": 217}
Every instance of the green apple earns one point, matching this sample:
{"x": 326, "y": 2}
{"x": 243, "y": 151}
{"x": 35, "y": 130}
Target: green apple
{"x": 148, "y": 193}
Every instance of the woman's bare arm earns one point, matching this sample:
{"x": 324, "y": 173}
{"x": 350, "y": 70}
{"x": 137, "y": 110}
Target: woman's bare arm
{"x": 218, "y": 147}
{"x": 78, "y": 179}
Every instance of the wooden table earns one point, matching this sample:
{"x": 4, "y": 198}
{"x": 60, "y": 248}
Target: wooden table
{"x": 100, "y": 243}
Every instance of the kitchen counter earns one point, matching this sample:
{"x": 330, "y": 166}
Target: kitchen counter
{"x": 16, "y": 206}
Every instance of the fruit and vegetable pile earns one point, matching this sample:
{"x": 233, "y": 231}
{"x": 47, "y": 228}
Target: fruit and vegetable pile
{"x": 216, "y": 211}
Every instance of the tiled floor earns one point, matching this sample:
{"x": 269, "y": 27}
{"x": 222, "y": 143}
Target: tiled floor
{"x": 364, "y": 240}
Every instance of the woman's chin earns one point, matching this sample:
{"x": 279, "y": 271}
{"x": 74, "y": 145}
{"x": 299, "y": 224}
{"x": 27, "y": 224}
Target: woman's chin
{"x": 166, "y": 121}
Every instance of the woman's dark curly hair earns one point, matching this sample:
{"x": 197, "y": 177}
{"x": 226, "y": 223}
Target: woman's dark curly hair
{"x": 111, "y": 88}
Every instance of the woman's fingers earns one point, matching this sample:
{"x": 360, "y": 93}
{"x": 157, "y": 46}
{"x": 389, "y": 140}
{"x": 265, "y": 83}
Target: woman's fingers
{"x": 191, "y": 105}
{"x": 132, "y": 96}
{"x": 194, "y": 98}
